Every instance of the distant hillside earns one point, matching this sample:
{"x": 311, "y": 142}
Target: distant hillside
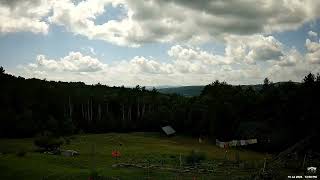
{"x": 183, "y": 90}
{"x": 196, "y": 90}
{"x": 256, "y": 87}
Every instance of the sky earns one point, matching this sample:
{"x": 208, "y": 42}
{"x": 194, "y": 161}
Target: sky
{"x": 160, "y": 42}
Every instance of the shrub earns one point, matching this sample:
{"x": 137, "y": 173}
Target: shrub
{"x": 94, "y": 175}
{"x": 194, "y": 157}
{"x": 81, "y": 131}
{"x": 48, "y": 143}
{"x": 21, "y": 153}
{"x": 67, "y": 140}
{"x": 6, "y": 151}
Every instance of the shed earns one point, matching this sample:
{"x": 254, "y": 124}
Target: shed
{"x": 168, "y": 130}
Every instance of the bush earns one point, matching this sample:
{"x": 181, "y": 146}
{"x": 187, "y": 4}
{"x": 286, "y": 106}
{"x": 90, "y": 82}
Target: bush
{"x": 48, "y": 143}
{"x": 67, "y": 140}
{"x": 195, "y": 157}
{"x": 94, "y": 175}
{"x": 21, "y": 153}
{"x": 81, "y": 131}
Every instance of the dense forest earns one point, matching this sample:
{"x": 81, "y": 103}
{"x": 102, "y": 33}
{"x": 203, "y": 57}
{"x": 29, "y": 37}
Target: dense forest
{"x": 183, "y": 90}
{"x": 278, "y": 114}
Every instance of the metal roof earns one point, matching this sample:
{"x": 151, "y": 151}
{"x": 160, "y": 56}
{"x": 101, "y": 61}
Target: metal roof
{"x": 168, "y": 130}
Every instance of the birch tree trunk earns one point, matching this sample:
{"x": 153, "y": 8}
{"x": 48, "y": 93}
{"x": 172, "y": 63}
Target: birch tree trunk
{"x": 82, "y": 112}
{"x": 91, "y": 114}
{"x": 129, "y": 113}
{"x": 138, "y": 110}
{"x": 149, "y": 107}
{"x": 70, "y": 108}
{"x": 88, "y": 111}
{"x": 122, "y": 112}
{"x": 143, "y": 110}
{"x": 99, "y": 112}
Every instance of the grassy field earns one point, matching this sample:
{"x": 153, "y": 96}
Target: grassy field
{"x": 95, "y": 153}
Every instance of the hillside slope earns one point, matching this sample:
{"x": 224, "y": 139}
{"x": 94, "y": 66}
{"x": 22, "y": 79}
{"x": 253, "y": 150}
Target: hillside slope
{"x": 183, "y": 90}
{"x": 135, "y": 148}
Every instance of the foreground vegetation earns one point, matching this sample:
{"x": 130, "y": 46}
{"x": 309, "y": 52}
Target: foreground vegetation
{"x": 95, "y": 153}
{"x": 278, "y": 114}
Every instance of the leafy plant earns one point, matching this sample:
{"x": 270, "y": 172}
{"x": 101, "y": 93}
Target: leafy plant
{"x": 48, "y": 142}
{"x": 194, "y": 157}
{"x": 67, "y": 140}
{"x": 21, "y": 153}
{"x": 94, "y": 175}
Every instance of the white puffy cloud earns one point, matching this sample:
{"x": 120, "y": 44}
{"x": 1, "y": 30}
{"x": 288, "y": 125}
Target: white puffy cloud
{"x": 73, "y": 62}
{"x": 24, "y": 15}
{"x": 312, "y": 34}
{"x": 294, "y": 65}
{"x": 313, "y": 52}
{"x": 291, "y": 58}
{"x": 244, "y": 27}
{"x": 201, "y": 21}
{"x": 251, "y": 49}
{"x": 140, "y": 64}
{"x": 181, "y": 53}
{"x": 295, "y": 73}
{"x": 176, "y": 21}
{"x": 79, "y": 18}
{"x": 138, "y": 70}
{"x": 188, "y": 59}
{"x": 188, "y": 65}
{"x": 92, "y": 51}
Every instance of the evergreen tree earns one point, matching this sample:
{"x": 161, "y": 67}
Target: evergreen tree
{"x": 1, "y": 70}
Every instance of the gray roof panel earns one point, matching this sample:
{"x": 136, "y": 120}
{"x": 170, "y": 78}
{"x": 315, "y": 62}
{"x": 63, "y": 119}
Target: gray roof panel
{"x": 168, "y": 130}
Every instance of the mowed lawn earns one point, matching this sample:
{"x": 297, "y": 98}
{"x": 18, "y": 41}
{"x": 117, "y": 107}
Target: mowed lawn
{"x": 95, "y": 153}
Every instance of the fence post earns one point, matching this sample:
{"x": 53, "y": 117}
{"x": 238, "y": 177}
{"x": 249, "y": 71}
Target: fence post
{"x": 264, "y": 164}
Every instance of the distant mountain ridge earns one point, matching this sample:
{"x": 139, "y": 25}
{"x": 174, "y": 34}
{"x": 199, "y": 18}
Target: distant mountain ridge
{"x": 183, "y": 90}
{"x": 196, "y": 90}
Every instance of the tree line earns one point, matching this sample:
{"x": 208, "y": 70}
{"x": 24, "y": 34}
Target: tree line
{"x": 275, "y": 113}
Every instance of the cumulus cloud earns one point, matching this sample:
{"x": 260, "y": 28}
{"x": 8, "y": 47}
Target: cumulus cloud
{"x": 244, "y": 27}
{"x": 294, "y": 73}
{"x": 140, "y": 64}
{"x": 293, "y": 65}
{"x": 73, "y": 62}
{"x": 200, "y": 21}
{"x": 188, "y": 65}
{"x": 79, "y": 19}
{"x": 313, "y": 52}
{"x": 24, "y": 15}
{"x": 312, "y": 34}
{"x": 138, "y": 70}
{"x": 182, "y": 53}
{"x": 176, "y": 21}
{"x": 92, "y": 51}
{"x": 251, "y": 49}
{"x": 291, "y": 58}
{"x": 192, "y": 22}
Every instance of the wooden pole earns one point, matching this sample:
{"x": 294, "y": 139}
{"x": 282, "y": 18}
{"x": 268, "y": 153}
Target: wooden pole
{"x": 264, "y": 164}
{"x": 180, "y": 161}
{"x": 93, "y": 164}
{"x": 304, "y": 160}
{"x": 148, "y": 169}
